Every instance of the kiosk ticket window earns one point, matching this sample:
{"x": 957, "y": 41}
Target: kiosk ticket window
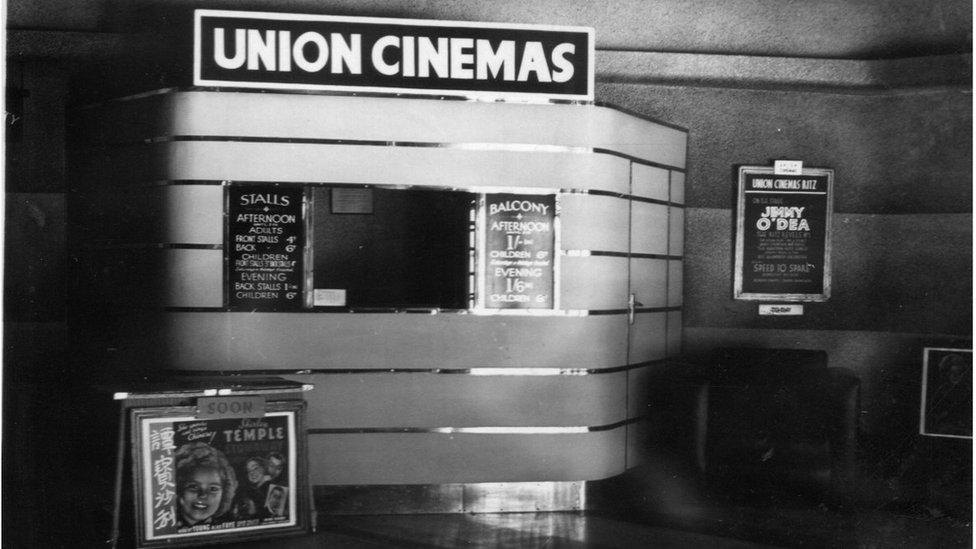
{"x": 407, "y": 249}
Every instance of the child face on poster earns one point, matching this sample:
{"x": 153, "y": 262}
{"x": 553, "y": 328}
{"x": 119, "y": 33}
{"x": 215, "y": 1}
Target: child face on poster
{"x": 201, "y": 495}
{"x": 205, "y": 483}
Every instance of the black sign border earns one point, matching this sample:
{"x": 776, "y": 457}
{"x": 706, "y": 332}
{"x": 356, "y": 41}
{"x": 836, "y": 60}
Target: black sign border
{"x": 394, "y": 91}
{"x": 738, "y": 272}
{"x": 482, "y": 245}
{"x": 307, "y": 222}
{"x": 928, "y": 353}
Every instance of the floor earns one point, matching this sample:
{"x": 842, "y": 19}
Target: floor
{"x": 657, "y": 522}
{"x": 816, "y": 528}
{"x": 655, "y": 506}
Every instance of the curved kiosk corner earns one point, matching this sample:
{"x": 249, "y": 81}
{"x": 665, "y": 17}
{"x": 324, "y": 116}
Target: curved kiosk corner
{"x": 422, "y": 390}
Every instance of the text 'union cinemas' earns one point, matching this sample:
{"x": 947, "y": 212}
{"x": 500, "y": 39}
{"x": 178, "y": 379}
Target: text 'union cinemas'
{"x": 456, "y": 58}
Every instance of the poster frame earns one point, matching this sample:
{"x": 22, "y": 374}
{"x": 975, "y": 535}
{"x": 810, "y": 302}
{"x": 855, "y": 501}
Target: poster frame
{"x": 481, "y": 264}
{"x": 928, "y": 353}
{"x": 739, "y": 265}
{"x": 307, "y": 223}
{"x": 299, "y": 506}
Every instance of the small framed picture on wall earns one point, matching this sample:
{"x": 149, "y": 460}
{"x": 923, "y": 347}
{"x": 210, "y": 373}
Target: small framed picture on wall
{"x": 947, "y": 393}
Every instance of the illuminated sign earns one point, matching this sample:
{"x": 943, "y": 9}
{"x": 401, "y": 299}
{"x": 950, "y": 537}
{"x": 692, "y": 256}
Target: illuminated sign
{"x": 368, "y": 54}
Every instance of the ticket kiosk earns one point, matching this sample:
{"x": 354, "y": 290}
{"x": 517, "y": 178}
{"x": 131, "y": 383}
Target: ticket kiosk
{"x": 479, "y": 288}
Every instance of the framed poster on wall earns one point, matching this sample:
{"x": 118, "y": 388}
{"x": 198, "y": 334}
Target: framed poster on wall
{"x": 947, "y": 393}
{"x": 782, "y": 237}
{"x": 201, "y": 479}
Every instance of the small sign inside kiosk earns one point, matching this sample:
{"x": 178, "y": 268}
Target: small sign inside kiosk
{"x": 265, "y": 247}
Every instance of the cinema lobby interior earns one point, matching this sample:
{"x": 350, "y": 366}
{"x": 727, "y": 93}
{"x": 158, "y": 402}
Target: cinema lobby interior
{"x": 362, "y": 274}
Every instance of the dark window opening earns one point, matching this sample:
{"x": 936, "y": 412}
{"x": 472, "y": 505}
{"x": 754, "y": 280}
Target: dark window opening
{"x": 412, "y": 251}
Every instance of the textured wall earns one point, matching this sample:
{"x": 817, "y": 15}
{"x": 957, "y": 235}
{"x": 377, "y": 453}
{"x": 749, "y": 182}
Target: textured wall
{"x": 799, "y": 28}
{"x": 902, "y": 237}
{"x": 893, "y": 153}
{"x": 891, "y": 273}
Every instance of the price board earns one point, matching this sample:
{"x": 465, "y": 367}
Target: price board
{"x": 782, "y": 249}
{"x": 265, "y": 247}
{"x": 519, "y": 248}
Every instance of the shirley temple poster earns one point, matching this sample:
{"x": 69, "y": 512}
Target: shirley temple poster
{"x": 200, "y": 480}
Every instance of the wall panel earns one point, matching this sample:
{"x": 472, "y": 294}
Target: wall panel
{"x": 408, "y": 120}
{"x": 648, "y": 337}
{"x": 436, "y": 458}
{"x": 171, "y": 214}
{"x": 360, "y": 164}
{"x": 676, "y": 232}
{"x": 190, "y": 278}
{"x": 649, "y": 182}
{"x": 675, "y": 283}
{"x": 649, "y": 228}
{"x": 206, "y": 341}
{"x": 674, "y": 336}
{"x": 677, "y": 187}
{"x": 649, "y": 281}
{"x": 593, "y": 222}
{"x": 438, "y": 400}
{"x": 594, "y": 282}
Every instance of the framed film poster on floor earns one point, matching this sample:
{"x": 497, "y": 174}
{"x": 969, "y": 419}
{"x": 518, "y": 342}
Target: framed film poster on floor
{"x": 213, "y": 479}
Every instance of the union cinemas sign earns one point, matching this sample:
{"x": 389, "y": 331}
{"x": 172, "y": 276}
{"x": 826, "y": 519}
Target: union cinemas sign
{"x": 368, "y": 54}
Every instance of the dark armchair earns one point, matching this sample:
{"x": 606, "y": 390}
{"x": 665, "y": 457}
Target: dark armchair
{"x": 773, "y": 421}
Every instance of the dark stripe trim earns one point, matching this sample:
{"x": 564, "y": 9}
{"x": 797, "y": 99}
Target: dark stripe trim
{"x": 606, "y": 312}
{"x": 641, "y": 310}
{"x": 635, "y": 255}
{"x": 637, "y": 160}
{"x": 431, "y": 311}
{"x": 378, "y": 310}
{"x": 181, "y": 182}
{"x": 635, "y": 198}
{"x": 150, "y": 246}
{"x": 449, "y": 371}
{"x": 528, "y": 430}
